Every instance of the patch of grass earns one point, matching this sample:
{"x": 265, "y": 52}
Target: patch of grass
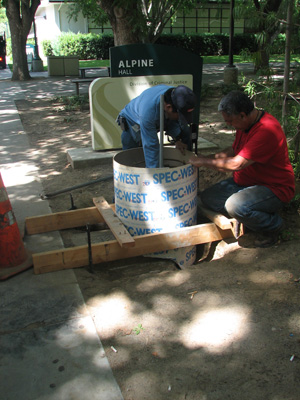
{"x": 296, "y": 166}
{"x": 287, "y": 235}
{"x": 137, "y": 330}
{"x": 206, "y": 60}
{"x": 93, "y": 63}
{"x": 73, "y": 103}
{"x": 45, "y": 67}
{"x": 242, "y": 58}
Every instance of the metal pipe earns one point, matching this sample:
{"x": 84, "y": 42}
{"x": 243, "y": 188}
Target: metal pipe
{"x": 161, "y": 138}
{"x": 73, "y": 207}
{"x": 36, "y": 47}
{"x": 88, "y": 230}
{"x": 231, "y": 34}
{"x": 68, "y": 189}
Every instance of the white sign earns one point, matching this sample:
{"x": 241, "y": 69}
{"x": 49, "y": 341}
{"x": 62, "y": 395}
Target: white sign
{"x": 108, "y": 96}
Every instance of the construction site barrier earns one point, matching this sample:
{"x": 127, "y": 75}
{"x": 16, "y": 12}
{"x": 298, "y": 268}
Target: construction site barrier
{"x": 14, "y": 257}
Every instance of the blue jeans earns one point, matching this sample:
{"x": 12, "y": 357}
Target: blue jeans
{"x": 131, "y": 135}
{"x": 255, "y": 207}
{"x": 128, "y": 141}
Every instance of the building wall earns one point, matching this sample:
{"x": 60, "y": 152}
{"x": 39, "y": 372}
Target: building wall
{"x": 51, "y": 20}
{"x": 211, "y": 18}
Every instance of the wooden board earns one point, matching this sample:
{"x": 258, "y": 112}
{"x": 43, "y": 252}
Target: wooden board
{"x": 220, "y": 220}
{"x": 108, "y": 251}
{"x": 116, "y": 226}
{"x": 63, "y": 220}
{"x": 91, "y": 215}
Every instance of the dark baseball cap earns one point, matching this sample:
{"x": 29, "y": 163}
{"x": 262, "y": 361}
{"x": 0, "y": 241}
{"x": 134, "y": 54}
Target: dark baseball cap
{"x": 184, "y": 100}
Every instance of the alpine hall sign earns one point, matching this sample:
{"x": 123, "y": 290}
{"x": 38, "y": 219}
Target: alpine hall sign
{"x": 155, "y": 59}
{"x": 126, "y": 67}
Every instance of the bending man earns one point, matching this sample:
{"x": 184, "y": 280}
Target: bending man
{"x": 140, "y": 120}
{"x": 263, "y": 178}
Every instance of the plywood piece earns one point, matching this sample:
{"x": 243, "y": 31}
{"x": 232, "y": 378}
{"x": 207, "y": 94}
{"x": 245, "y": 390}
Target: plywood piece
{"x": 108, "y": 251}
{"x": 116, "y": 226}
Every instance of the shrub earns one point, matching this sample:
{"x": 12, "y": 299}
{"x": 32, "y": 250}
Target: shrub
{"x": 96, "y": 46}
{"x": 208, "y": 44}
{"x": 278, "y": 46}
{"x": 47, "y": 48}
{"x": 85, "y": 46}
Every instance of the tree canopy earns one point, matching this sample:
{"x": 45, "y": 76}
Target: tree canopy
{"x": 267, "y": 18}
{"x": 132, "y": 21}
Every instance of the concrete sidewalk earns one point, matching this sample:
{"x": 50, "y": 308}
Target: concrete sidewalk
{"x": 50, "y": 349}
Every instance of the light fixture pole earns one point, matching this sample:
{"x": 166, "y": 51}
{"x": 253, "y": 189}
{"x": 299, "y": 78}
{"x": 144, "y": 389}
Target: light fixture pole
{"x": 37, "y": 63}
{"x": 231, "y": 71}
{"x": 231, "y": 33}
{"x": 36, "y": 47}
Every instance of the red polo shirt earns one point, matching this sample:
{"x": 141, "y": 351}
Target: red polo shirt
{"x": 265, "y": 144}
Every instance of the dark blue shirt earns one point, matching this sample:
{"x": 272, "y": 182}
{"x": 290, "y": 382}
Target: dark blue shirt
{"x": 144, "y": 111}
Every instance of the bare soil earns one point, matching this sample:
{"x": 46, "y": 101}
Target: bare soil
{"x": 226, "y": 328}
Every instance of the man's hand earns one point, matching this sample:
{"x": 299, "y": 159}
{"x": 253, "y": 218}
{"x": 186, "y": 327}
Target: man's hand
{"x": 196, "y": 160}
{"x": 181, "y": 146}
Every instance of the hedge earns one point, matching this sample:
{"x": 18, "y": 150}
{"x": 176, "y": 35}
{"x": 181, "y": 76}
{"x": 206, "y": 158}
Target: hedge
{"x": 86, "y": 46}
{"x": 91, "y": 46}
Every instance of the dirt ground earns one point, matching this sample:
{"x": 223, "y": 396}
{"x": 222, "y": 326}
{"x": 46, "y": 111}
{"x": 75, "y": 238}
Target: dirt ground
{"x": 226, "y": 328}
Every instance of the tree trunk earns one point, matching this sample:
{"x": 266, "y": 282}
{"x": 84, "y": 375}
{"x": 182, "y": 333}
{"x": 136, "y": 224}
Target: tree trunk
{"x": 140, "y": 21}
{"x": 287, "y": 60}
{"x": 122, "y": 29}
{"x": 288, "y": 35}
{"x": 264, "y": 57}
{"x": 20, "y": 16}
{"x": 121, "y": 22}
{"x": 20, "y": 65}
{"x": 268, "y": 30}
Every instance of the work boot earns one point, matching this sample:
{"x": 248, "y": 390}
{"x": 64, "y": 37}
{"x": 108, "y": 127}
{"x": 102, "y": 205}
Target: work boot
{"x": 266, "y": 239}
{"x": 269, "y": 238}
{"x": 261, "y": 239}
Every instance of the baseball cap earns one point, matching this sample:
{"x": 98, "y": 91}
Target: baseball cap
{"x": 184, "y": 100}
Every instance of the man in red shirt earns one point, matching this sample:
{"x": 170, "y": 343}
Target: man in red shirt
{"x": 263, "y": 178}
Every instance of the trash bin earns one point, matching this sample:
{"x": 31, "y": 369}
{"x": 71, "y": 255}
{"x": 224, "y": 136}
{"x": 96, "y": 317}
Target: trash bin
{"x": 2, "y": 51}
{"x": 63, "y": 65}
{"x": 29, "y": 52}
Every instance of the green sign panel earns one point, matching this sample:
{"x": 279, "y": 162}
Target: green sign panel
{"x": 155, "y": 59}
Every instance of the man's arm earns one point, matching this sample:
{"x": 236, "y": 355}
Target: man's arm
{"x": 223, "y": 163}
{"x": 228, "y": 152}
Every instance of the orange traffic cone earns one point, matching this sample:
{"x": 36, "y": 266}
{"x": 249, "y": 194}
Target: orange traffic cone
{"x": 14, "y": 258}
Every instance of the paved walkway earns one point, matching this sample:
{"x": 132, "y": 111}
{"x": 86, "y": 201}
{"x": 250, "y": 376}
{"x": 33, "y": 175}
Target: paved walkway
{"x": 49, "y": 349}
